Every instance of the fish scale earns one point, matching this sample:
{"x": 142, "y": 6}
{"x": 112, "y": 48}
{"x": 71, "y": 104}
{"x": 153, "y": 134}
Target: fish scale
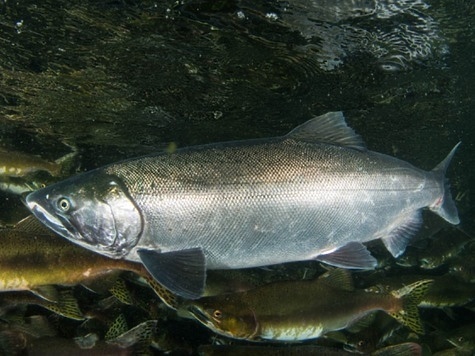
{"x": 315, "y": 193}
{"x": 301, "y": 192}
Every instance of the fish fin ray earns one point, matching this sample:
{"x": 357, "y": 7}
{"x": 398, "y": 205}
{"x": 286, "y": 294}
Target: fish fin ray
{"x": 32, "y": 225}
{"x": 141, "y": 333}
{"x": 352, "y": 255}
{"x": 182, "y": 272}
{"x": 171, "y": 300}
{"x": 103, "y": 283}
{"x": 411, "y": 297}
{"x": 328, "y": 128}
{"x": 337, "y": 278}
{"x": 445, "y": 207}
{"x": 120, "y": 291}
{"x": 117, "y": 327}
{"x": 397, "y": 239}
{"x": 47, "y": 292}
{"x": 362, "y": 323}
{"x": 66, "y": 306}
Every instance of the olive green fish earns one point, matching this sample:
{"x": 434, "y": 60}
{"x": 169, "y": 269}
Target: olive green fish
{"x": 21, "y": 172}
{"x": 19, "y": 164}
{"x": 300, "y": 310}
{"x": 66, "y": 304}
{"x": 32, "y": 258}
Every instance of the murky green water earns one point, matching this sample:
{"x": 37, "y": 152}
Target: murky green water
{"x": 122, "y": 78}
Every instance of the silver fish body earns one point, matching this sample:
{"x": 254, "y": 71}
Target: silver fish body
{"x": 315, "y": 193}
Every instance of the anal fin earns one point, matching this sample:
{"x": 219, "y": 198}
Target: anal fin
{"x": 352, "y": 255}
{"x": 182, "y": 272}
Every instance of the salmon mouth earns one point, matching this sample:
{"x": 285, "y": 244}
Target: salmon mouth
{"x": 48, "y": 219}
{"x": 201, "y": 316}
{"x": 204, "y": 318}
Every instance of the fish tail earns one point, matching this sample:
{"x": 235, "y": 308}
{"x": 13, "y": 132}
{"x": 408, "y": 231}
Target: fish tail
{"x": 120, "y": 291}
{"x": 167, "y": 297}
{"x": 65, "y": 163}
{"x": 140, "y": 337}
{"x": 445, "y": 206}
{"x": 411, "y": 295}
{"x": 66, "y": 306}
{"x": 117, "y": 327}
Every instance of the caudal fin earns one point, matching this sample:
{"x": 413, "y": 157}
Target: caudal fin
{"x": 411, "y": 296}
{"x": 445, "y": 207}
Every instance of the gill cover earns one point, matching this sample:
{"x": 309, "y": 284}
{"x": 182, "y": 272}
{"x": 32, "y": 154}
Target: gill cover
{"x": 93, "y": 210}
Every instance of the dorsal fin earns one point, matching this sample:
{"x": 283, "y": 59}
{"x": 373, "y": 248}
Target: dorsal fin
{"x": 328, "y": 128}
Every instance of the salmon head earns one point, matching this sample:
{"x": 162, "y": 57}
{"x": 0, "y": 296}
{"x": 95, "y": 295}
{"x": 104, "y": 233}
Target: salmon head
{"x": 92, "y": 210}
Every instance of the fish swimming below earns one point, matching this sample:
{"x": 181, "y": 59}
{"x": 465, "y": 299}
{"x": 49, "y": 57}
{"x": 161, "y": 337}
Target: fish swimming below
{"x": 33, "y": 258}
{"x": 315, "y": 193}
{"x": 301, "y": 310}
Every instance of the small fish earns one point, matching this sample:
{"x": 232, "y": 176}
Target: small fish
{"x": 20, "y": 186}
{"x": 463, "y": 267}
{"x": 17, "y": 164}
{"x": 21, "y": 173}
{"x": 315, "y": 193}
{"x": 300, "y": 310}
{"x": 446, "y": 245}
{"x": 444, "y": 291}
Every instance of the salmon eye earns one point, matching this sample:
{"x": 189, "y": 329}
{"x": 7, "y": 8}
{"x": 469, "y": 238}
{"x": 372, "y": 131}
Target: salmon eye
{"x": 64, "y": 205}
{"x": 217, "y": 314}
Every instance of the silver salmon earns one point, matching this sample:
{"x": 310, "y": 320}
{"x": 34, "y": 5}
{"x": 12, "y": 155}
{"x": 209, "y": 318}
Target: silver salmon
{"x": 315, "y": 193}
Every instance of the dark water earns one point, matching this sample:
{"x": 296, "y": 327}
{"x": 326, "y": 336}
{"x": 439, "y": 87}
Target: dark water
{"x": 121, "y": 78}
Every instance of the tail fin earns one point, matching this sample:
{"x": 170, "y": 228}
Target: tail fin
{"x": 67, "y": 306}
{"x": 445, "y": 207}
{"x": 411, "y": 296}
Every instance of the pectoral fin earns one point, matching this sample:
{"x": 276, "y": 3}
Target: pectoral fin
{"x": 397, "y": 239}
{"x": 182, "y": 272}
{"x": 352, "y": 255}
